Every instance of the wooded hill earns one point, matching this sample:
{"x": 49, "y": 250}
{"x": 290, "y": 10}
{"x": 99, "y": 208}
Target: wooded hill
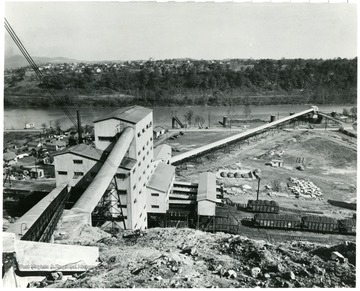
{"x": 189, "y": 82}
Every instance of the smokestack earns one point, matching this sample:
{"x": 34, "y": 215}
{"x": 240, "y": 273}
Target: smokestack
{"x": 79, "y": 126}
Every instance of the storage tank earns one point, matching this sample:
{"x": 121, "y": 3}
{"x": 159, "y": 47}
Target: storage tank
{"x": 272, "y": 118}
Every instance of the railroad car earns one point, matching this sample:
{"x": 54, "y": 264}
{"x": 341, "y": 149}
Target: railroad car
{"x": 347, "y": 226}
{"x": 319, "y": 223}
{"x": 262, "y": 206}
{"x": 279, "y": 221}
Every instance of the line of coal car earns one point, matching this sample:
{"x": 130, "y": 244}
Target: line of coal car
{"x": 313, "y": 223}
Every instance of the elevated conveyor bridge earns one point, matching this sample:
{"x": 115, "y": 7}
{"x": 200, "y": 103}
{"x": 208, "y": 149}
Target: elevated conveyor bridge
{"x": 203, "y": 150}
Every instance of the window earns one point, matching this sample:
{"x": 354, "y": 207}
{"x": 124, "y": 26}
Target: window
{"x": 143, "y": 130}
{"x": 134, "y": 187}
{"x": 62, "y": 172}
{"x": 106, "y": 138}
{"x": 134, "y": 171}
{"x": 145, "y": 220}
{"x": 148, "y": 166}
{"x": 145, "y": 206}
{"x": 135, "y": 200}
{"x": 150, "y": 138}
{"x": 140, "y": 192}
{"x": 122, "y": 192}
{"x": 139, "y": 153}
{"x": 151, "y": 147}
{"x": 135, "y": 225}
{"x": 154, "y": 194}
{"x": 143, "y": 158}
{"x": 150, "y": 123}
{"x": 155, "y": 206}
{"x": 147, "y": 143}
{"x": 139, "y": 164}
{"x": 78, "y": 161}
{"x": 143, "y": 148}
{"x": 141, "y": 214}
{"x": 139, "y": 178}
{"x": 78, "y": 174}
{"x": 139, "y": 134}
{"x": 121, "y": 175}
{"x": 144, "y": 172}
{"x": 147, "y": 153}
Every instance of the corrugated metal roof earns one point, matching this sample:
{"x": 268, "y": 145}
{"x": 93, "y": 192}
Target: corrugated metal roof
{"x": 131, "y": 114}
{"x": 162, "y": 177}
{"x": 207, "y": 187}
{"x": 83, "y": 150}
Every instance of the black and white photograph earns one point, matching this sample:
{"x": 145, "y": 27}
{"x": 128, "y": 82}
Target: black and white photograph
{"x": 179, "y": 144}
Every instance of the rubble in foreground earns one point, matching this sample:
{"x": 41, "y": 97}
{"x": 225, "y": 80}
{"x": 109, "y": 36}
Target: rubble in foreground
{"x": 187, "y": 258}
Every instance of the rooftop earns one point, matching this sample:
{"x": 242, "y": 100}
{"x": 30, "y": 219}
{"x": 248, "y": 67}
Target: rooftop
{"x": 127, "y": 163}
{"x": 162, "y": 151}
{"x": 162, "y": 177}
{"x": 9, "y": 156}
{"x": 207, "y": 187}
{"x": 131, "y": 114}
{"x": 83, "y": 150}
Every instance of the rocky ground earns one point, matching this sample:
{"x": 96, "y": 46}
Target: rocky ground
{"x": 187, "y": 258}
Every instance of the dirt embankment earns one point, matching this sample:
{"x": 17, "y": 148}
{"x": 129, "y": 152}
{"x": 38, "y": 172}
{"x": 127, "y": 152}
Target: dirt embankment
{"x": 186, "y": 258}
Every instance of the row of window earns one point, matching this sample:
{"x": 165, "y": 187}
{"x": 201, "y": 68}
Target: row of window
{"x": 75, "y": 173}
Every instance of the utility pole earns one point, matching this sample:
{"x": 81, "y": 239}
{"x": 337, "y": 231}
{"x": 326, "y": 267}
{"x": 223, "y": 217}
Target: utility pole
{"x": 258, "y": 189}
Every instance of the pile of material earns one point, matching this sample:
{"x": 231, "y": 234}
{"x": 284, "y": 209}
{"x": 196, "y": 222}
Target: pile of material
{"x": 304, "y": 188}
{"x": 187, "y": 258}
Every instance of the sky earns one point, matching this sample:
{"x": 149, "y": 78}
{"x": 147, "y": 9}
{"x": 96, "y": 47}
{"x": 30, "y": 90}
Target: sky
{"x": 95, "y": 31}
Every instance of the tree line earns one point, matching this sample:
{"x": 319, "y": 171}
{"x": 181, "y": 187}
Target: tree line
{"x": 200, "y": 82}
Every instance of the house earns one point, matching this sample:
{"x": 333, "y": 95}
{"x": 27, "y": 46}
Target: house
{"x": 36, "y": 173}
{"x": 54, "y": 146}
{"x": 10, "y": 158}
{"x": 277, "y": 163}
{"x": 34, "y": 144}
{"x": 158, "y": 131}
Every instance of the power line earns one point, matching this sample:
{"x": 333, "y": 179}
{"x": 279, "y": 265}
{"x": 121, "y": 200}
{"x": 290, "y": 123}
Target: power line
{"x": 36, "y": 68}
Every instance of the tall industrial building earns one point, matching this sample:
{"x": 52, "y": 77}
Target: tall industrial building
{"x": 81, "y": 163}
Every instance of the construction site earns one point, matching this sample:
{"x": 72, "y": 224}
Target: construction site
{"x": 269, "y": 206}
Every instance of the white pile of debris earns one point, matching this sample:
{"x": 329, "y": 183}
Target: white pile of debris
{"x": 304, "y": 188}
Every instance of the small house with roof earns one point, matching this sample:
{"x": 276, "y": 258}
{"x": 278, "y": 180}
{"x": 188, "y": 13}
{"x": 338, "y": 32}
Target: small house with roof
{"x": 159, "y": 131}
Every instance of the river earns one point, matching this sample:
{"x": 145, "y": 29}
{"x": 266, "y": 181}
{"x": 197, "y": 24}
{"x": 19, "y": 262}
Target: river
{"x": 16, "y": 118}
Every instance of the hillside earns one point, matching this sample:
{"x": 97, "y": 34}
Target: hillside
{"x": 186, "y": 82}
{"x": 187, "y": 258}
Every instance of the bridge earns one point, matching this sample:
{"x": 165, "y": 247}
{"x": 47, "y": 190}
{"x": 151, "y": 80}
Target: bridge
{"x": 181, "y": 158}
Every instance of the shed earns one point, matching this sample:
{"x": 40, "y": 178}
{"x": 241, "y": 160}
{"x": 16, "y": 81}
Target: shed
{"x": 206, "y": 196}
{"x": 158, "y": 131}
{"x": 277, "y": 163}
{"x": 36, "y": 173}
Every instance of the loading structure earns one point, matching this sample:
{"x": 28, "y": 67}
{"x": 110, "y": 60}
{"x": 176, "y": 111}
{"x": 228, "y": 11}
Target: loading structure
{"x": 203, "y": 150}
{"x": 94, "y": 192}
